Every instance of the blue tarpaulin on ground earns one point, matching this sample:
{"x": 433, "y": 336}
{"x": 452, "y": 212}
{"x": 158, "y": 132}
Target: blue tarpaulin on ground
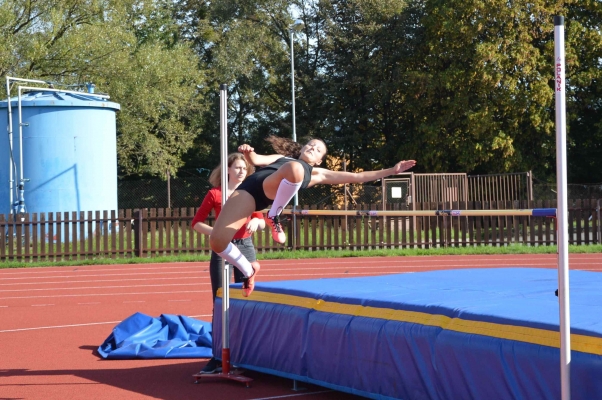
{"x": 169, "y": 336}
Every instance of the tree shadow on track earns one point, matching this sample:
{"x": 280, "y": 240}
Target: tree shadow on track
{"x": 175, "y": 382}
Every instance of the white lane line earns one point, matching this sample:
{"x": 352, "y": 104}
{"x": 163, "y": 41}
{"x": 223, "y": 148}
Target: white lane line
{"x": 205, "y": 264}
{"x": 93, "y": 276}
{"x": 391, "y": 265}
{"x": 78, "y": 325}
{"x": 58, "y": 326}
{"x": 293, "y": 395}
{"x": 308, "y": 261}
{"x": 198, "y": 283}
{"x": 359, "y": 261}
{"x": 41, "y": 305}
{"x": 166, "y": 268}
{"x": 99, "y": 280}
{"x": 102, "y": 287}
{"x": 179, "y": 264}
{"x": 3, "y": 306}
{"x": 103, "y": 294}
{"x": 335, "y": 274}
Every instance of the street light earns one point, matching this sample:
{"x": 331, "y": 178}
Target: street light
{"x": 294, "y": 27}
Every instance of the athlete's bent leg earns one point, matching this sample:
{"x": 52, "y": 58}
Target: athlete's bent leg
{"x": 283, "y": 185}
{"x": 233, "y": 216}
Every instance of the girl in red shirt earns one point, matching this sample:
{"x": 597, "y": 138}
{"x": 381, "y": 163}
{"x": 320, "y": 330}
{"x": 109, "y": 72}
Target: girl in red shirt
{"x": 238, "y": 168}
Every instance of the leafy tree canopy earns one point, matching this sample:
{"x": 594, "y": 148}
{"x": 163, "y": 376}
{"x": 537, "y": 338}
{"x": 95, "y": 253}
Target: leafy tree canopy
{"x": 460, "y": 86}
{"x": 129, "y": 49}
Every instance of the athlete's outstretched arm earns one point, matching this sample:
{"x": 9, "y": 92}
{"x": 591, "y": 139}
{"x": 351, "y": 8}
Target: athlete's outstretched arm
{"x": 257, "y": 159}
{"x": 326, "y": 176}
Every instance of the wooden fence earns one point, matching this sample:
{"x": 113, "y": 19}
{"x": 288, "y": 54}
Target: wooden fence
{"x": 501, "y": 187}
{"x": 160, "y": 232}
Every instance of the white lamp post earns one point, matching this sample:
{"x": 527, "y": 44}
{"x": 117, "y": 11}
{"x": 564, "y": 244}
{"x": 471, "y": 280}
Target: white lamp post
{"x": 294, "y": 27}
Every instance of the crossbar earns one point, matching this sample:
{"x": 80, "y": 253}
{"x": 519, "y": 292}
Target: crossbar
{"x": 536, "y": 212}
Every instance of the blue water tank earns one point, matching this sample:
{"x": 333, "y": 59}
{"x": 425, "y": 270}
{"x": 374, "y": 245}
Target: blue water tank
{"x": 69, "y": 152}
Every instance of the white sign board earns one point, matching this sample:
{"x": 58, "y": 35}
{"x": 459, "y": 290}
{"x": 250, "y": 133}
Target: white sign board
{"x": 396, "y": 192}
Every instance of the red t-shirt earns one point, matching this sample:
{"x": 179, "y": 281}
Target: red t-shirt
{"x": 213, "y": 200}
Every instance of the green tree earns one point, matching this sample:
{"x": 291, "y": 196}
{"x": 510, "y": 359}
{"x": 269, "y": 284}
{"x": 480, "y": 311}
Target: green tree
{"x": 242, "y": 44}
{"x": 129, "y": 49}
{"x": 460, "y": 86}
{"x": 584, "y": 92}
{"x": 359, "y": 80}
{"x": 481, "y": 95}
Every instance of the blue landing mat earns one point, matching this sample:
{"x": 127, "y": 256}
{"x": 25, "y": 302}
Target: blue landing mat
{"x": 461, "y": 334}
{"x": 169, "y": 336}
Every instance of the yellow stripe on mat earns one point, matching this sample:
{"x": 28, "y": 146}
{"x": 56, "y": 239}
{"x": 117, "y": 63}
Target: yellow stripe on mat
{"x": 582, "y": 343}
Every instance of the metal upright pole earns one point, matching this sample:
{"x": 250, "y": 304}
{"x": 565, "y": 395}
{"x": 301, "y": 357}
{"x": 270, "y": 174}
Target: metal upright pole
{"x": 562, "y": 210}
{"x": 20, "y": 133}
{"x": 12, "y": 164}
{"x": 11, "y": 161}
{"x": 21, "y": 186}
{"x": 296, "y": 198}
{"x": 223, "y": 123}
{"x": 227, "y": 372}
{"x": 298, "y": 24}
{"x": 293, "y": 85}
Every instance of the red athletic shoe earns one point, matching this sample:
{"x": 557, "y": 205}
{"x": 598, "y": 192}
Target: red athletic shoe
{"x": 277, "y": 231}
{"x": 248, "y": 284}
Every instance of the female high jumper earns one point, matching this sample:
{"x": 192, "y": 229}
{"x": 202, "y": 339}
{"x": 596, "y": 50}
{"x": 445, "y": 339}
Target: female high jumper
{"x": 282, "y": 175}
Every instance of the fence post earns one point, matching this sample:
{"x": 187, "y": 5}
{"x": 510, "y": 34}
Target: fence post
{"x": 291, "y": 237}
{"x": 3, "y": 234}
{"x": 599, "y": 241}
{"x": 138, "y": 245}
{"x": 168, "y": 190}
{"x": 530, "y": 185}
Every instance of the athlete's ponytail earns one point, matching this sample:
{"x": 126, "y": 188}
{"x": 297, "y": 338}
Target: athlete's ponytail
{"x": 288, "y": 148}
{"x": 284, "y": 146}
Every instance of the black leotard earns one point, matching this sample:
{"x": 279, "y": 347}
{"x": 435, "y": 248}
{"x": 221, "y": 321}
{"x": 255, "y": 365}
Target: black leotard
{"x": 254, "y": 182}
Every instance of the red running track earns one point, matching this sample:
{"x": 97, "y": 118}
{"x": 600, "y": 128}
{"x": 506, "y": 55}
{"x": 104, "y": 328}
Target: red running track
{"x": 53, "y": 319}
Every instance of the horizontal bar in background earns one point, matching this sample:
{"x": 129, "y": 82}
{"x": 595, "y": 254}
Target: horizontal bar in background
{"x": 536, "y": 212}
